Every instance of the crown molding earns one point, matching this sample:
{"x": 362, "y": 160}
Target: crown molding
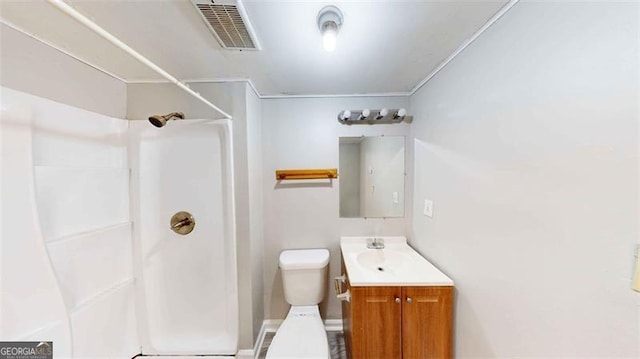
{"x": 468, "y": 42}
{"x": 424, "y": 81}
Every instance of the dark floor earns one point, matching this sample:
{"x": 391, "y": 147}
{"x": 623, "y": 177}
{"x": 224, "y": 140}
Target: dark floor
{"x": 336, "y": 345}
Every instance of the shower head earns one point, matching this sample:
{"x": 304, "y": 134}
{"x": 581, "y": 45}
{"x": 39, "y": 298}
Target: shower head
{"x": 161, "y": 120}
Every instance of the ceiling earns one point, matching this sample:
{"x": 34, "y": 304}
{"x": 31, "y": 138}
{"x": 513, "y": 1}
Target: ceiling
{"x": 383, "y": 46}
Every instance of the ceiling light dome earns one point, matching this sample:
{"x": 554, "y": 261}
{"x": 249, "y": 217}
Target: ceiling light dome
{"x": 329, "y": 22}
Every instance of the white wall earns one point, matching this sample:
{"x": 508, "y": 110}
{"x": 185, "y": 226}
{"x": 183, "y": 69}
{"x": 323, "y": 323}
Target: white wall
{"x": 30, "y": 66}
{"x": 300, "y": 133}
{"x": 527, "y": 143}
{"x": 144, "y": 100}
{"x": 256, "y": 225}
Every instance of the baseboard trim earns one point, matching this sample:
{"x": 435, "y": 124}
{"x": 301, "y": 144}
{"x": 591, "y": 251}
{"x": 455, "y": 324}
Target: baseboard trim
{"x": 259, "y": 341}
{"x": 246, "y": 354}
{"x": 272, "y": 325}
{"x": 333, "y": 325}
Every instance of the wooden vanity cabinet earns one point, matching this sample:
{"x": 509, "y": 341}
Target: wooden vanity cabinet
{"x": 427, "y": 322}
{"x": 398, "y": 322}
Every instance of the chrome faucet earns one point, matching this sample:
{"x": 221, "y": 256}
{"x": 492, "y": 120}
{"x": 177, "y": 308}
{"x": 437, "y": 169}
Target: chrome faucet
{"x": 375, "y": 243}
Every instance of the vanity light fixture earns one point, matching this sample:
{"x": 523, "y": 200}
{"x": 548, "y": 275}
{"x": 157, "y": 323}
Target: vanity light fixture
{"x": 383, "y": 116}
{"x": 345, "y": 115}
{"x": 384, "y": 112}
{"x": 365, "y": 113}
{"x": 399, "y": 115}
{"x": 329, "y": 22}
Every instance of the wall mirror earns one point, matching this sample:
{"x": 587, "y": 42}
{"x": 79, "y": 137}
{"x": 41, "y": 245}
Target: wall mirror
{"x": 371, "y": 176}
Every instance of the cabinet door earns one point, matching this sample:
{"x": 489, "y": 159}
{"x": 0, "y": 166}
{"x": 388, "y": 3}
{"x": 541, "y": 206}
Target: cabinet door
{"x": 427, "y": 317}
{"x": 376, "y": 322}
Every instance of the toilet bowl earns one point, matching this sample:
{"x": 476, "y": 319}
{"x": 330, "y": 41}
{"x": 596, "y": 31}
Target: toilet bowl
{"x": 302, "y": 335}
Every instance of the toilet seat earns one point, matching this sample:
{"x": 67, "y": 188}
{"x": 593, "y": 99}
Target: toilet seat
{"x": 300, "y": 336}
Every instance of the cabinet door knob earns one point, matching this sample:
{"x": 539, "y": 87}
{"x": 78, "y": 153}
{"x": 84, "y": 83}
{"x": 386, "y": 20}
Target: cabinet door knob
{"x": 398, "y": 300}
{"x": 409, "y": 300}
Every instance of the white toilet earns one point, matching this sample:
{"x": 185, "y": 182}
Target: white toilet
{"x": 304, "y": 278}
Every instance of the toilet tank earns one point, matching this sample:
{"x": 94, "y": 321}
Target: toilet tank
{"x": 304, "y": 275}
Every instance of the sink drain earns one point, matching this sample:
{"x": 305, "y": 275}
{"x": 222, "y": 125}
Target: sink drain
{"x": 381, "y": 269}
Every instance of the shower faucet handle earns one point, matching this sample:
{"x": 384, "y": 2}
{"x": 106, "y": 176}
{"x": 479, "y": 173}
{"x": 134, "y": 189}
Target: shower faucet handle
{"x": 182, "y": 223}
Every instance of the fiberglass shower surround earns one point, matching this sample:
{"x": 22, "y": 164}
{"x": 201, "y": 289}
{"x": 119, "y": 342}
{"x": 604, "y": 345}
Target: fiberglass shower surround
{"x": 188, "y": 279}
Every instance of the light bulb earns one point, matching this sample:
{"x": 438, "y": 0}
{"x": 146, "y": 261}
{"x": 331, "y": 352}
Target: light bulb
{"x": 382, "y": 114}
{"x": 329, "y": 34}
{"x": 400, "y": 114}
{"x": 365, "y": 113}
{"x": 329, "y": 22}
{"x": 345, "y": 115}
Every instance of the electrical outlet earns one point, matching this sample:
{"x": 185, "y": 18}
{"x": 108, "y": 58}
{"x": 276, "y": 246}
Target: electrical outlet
{"x": 428, "y": 208}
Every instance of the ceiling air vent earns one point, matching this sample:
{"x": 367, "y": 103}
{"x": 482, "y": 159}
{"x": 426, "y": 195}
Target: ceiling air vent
{"x": 229, "y": 23}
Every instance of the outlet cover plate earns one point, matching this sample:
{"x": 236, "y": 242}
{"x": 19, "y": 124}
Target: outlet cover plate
{"x": 428, "y": 208}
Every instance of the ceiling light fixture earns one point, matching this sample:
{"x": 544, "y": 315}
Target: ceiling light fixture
{"x": 329, "y": 22}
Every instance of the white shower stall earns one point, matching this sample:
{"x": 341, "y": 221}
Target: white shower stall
{"x": 87, "y": 257}
{"x": 187, "y": 289}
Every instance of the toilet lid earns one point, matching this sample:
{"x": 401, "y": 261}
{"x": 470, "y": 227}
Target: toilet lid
{"x": 304, "y": 258}
{"x": 300, "y": 337}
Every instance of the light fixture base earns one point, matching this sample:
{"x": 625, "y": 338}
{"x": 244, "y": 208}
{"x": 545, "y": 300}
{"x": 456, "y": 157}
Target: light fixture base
{"x": 368, "y": 117}
{"x": 329, "y": 13}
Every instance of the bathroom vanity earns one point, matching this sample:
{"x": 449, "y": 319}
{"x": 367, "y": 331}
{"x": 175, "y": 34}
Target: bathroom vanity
{"x": 395, "y": 304}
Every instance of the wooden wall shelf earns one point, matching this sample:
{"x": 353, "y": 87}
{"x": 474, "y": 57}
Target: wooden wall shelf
{"x": 317, "y": 173}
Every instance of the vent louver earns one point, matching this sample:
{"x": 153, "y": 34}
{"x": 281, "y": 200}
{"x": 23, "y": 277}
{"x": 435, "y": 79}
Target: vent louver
{"x": 228, "y": 23}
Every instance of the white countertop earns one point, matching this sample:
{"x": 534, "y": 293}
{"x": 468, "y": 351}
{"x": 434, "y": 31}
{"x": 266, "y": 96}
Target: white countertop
{"x": 396, "y": 265}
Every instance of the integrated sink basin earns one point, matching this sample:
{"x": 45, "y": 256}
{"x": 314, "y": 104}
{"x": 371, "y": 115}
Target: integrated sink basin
{"x": 381, "y": 260}
{"x": 397, "y": 264}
